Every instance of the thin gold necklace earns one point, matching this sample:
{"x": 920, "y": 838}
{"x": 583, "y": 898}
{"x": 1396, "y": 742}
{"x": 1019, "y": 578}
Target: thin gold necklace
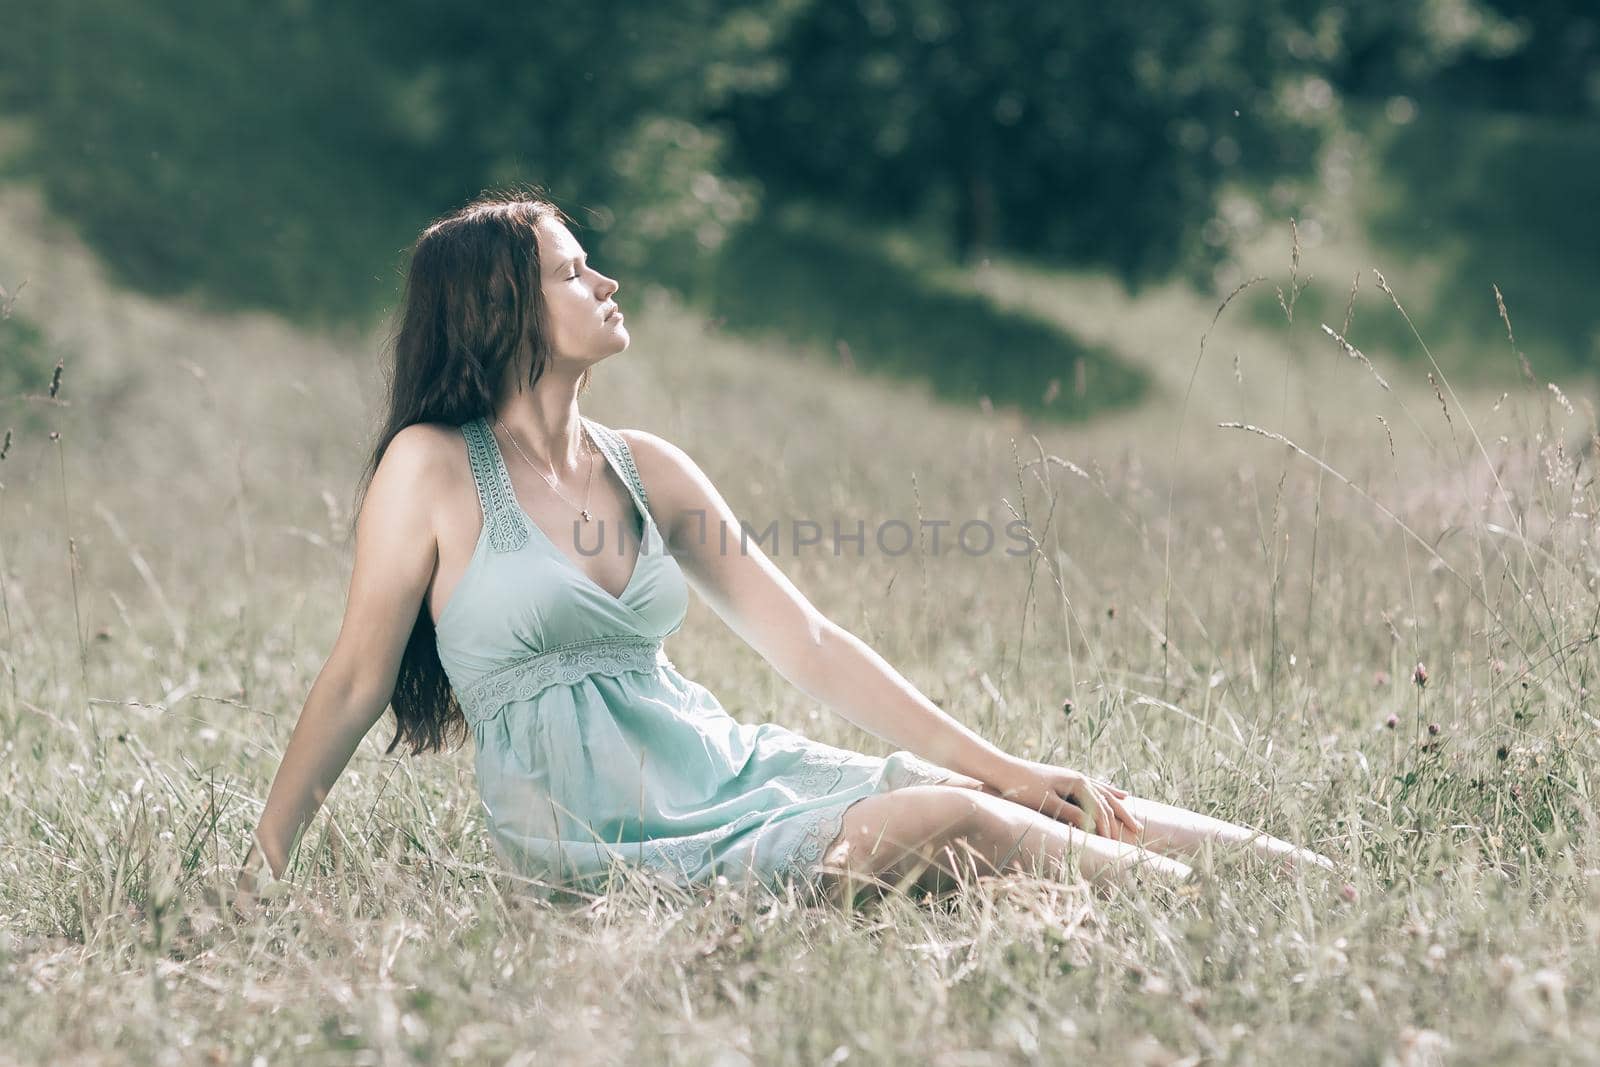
{"x": 588, "y": 450}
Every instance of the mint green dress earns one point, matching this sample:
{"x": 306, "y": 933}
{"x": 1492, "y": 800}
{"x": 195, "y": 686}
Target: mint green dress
{"x": 591, "y": 749}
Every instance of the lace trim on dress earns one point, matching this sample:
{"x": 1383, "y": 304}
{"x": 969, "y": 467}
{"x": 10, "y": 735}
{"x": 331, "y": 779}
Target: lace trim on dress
{"x": 501, "y": 512}
{"x": 613, "y": 442}
{"x": 563, "y": 665}
{"x": 684, "y": 856}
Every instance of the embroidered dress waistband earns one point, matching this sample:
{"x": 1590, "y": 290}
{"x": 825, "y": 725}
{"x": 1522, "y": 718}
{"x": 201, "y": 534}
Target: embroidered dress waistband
{"x": 562, "y": 665}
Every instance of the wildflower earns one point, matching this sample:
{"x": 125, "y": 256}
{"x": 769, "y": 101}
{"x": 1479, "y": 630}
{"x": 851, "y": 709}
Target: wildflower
{"x": 1392, "y": 721}
{"x": 1502, "y": 752}
{"x": 1420, "y": 676}
{"x": 1067, "y": 706}
{"x": 1433, "y": 729}
{"x": 1349, "y": 892}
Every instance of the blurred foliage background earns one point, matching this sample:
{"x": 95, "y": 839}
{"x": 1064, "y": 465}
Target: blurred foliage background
{"x": 281, "y": 154}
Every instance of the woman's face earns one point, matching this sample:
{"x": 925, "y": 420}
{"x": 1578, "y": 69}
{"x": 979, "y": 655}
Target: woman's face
{"x": 584, "y": 321}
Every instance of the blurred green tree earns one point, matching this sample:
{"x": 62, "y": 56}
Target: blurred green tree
{"x": 281, "y": 153}
{"x": 242, "y": 151}
{"x": 1530, "y": 56}
{"x": 1095, "y": 132}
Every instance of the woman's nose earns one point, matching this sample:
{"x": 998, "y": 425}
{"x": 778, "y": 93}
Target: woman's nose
{"x": 608, "y": 286}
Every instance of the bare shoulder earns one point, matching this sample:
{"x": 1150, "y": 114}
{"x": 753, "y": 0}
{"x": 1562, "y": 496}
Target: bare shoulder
{"x": 423, "y": 450}
{"x": 673, "y": 481}
{"x": 654, "y": 450}
{"x": 423, "y": 438}
{"x": 662, "y": 463}
{"x": 419, "y": 466}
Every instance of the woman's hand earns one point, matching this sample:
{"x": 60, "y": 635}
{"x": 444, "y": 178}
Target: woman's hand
{"x": 256, "y": 883}
{"x": 1068, "y": 796}
{"x": 245, "y": 895}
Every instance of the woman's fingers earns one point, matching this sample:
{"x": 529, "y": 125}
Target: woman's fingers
{"x": 1127, "y": 816}
{"x": 1109, "y": 788}
{"x": 1079, "y": 814}
{"x": 243, "y": 906}
{"x": 1069, "y": 811}
{"x": 1108, "y": 828}
{"x": 1091, "y": 801}
{"x": 1091, "y": 804}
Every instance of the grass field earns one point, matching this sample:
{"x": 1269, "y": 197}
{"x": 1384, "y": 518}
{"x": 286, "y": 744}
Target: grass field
{"x": 1235, "y": 625}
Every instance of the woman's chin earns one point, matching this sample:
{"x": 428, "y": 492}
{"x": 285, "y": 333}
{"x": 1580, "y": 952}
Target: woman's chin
{"x": 618, "y": 345}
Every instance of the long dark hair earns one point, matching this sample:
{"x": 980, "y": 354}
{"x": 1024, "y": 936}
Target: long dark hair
{"x": 472, "y": 308}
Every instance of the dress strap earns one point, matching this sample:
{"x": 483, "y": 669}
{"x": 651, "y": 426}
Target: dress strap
{"x": 622, "y": 459}
{"x": 501, "y": 513}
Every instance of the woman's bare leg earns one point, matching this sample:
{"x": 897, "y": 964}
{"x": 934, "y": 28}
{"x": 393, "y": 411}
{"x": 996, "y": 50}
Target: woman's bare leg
{"x": 1171, "y": 830}
{"x": 1178, "y": 831}
{"x": 931, "y": 835}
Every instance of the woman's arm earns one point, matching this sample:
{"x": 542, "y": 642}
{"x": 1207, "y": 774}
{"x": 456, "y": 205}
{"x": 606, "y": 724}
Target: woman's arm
{"x": 761, "y": 605}
{"x": 846, "y": 674}
{"x": 395, "y": 552}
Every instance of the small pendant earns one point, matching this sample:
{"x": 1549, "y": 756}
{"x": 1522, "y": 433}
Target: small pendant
{"x": 584, "y": 513}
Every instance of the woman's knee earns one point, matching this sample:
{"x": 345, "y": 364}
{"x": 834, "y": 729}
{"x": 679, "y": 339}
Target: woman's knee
{"x": 916, "y": 814}
{"x": 881, "y": 830}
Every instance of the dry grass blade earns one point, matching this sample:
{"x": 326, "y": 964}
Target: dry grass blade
{"x": 1426, "y": 545}
{"x": 146, "y": 574}
{"x": 1356, "y": 354}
